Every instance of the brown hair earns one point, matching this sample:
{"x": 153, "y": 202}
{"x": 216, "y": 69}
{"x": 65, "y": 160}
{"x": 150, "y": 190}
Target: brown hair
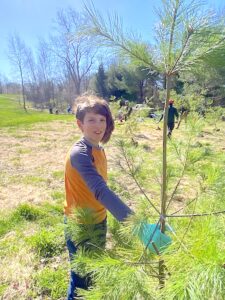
{"x": 91, "y": 103}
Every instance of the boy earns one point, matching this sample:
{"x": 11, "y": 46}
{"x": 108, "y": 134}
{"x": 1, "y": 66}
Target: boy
{"x": 86, "y": 176}
{"x": 86, "y": 188}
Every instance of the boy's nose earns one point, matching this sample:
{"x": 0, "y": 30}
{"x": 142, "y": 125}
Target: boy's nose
{"x": 99, "y": 124}
{"x": 96, "y": 126}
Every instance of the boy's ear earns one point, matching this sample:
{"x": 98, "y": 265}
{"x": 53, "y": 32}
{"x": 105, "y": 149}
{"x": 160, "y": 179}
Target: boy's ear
{"x": 79, "y": 124}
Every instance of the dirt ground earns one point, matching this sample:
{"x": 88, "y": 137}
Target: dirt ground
{"x": 32, "y": 159}
{"x": 32, "y": 162}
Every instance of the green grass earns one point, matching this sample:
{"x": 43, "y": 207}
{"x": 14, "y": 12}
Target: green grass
{"x": 58, "y": 174}
{"x": 3, "y": 287}
{"x": 12, "y": 114}
{"x": 45, "y": 215}
{"x": 48, "y": 242}
{"x": 38, "y": 232}
{"x": 58, "y": 195}
{"x": 33, "y": 180}
{"x": 52, "y": 282}
{"x": 24, "y": 212}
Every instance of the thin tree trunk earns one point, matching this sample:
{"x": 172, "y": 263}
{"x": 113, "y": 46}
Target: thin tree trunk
{"x": 141, "y": 89}
{"x": 23, "y": 90}
{"x": 24, "y": 97}
{"x": 164, "y": 178}
{"x": 164, "y": 160}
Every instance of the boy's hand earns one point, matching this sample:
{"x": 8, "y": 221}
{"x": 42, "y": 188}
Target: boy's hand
{"x": 153, "y": 238}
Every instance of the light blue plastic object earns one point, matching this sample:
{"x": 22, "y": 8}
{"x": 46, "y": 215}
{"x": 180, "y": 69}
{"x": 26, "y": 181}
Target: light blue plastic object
{"x": 151, "y": 235}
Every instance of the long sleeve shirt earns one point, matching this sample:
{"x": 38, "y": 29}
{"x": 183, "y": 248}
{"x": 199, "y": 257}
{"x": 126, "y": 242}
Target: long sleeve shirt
{"x": 172, "y": 112}
{"x": 85, "y": 183}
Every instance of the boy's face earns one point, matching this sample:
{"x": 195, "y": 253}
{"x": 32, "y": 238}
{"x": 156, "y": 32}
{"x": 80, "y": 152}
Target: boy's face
{"x": 93, "y": 127}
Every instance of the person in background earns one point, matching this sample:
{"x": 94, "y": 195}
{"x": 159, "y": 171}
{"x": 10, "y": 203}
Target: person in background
{"x": 184, "y": 111}
{"x": 128, "y": 110}
{"x": 172, "y": 113}
{"x": 69, "y": 109}
{"x": 125, "y": 111}
{"x": 50, "y": 109}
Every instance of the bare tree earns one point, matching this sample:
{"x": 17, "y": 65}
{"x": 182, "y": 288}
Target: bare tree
{"x": 31, "y": 76}
{"x": 73, "y": 50}
{"x": 17, "y": 54}
{"x": 30, "y": 66}
{"x": 1, "y": 84}
{"x": 44, "y": 60}
{"x": 45, "y": 66}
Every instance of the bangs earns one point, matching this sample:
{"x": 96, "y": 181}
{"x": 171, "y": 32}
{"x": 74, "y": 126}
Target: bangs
{"x": 85, "y": 104}
{"x": 99, "y": 109}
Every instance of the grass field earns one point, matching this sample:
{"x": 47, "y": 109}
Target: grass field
{"x": 12, "y": 113}
{"x": 33, "y": 257}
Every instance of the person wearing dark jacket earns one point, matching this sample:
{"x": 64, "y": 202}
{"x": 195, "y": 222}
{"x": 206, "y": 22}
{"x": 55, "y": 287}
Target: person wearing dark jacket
{"x": 172, "y": 113}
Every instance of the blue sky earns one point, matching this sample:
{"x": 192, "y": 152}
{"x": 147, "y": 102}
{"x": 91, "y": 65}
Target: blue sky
{"x": 32, "y": 19}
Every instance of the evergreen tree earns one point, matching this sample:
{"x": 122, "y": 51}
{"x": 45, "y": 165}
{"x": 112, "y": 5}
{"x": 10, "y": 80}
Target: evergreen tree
{"x": 187, "y": 37}
{"x": 101, "y": 82}
{"x": 116, "y": 84}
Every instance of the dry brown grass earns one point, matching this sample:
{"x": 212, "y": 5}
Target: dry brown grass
{"x": 29, "y": 158}
{"x": 32, "y": 156}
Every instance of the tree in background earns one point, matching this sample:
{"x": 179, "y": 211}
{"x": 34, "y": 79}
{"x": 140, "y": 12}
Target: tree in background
{"x": 100, "y": 83}
{"x": 125, "y": 81}
{"x": 1, "y": 84}
{"x": 46, "y": 70}
{"x": 139, "y": 81}
{"x": 75, "y": 53}
{"x": 32, "y": 83}
{"x": 60, "y": 67}
{"x": 116, "y": 85}
{"x": 17, "y": 54}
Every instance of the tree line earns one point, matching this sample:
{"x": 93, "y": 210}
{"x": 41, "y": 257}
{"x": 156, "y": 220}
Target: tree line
{"x": 70, "y": 63}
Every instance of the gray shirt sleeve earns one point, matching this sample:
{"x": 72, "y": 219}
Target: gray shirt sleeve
{"x": 81, "y": 160}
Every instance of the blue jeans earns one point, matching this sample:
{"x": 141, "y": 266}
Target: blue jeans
{"x": 76, "y": 281}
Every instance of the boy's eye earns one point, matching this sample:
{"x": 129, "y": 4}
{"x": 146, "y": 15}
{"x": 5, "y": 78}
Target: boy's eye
{"x": 93, "y": 120}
